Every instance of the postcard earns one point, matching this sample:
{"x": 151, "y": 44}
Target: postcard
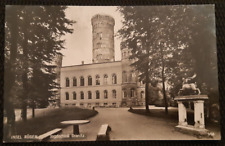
{"x": 109, "y": 73}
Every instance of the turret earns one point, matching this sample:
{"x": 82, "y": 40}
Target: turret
{"x": 103, "y": 38}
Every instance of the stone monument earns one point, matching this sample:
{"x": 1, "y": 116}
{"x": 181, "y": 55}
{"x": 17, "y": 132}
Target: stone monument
{"x": 190, "y": 93}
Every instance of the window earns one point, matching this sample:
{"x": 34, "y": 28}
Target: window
{"x": 89, "y": 81}
{"x": 97, "y": 95}
{"x": 89, "y": 104}
{"x": 67, "y": 96}
{"x": 67, "y": 82}
{"x": 81, "y": 104}
{"x": 133, "y": 75}
{"x": 81, "y": 81}
{"x": 124, "y": 76}
{"x": 74, "y": 96}
{"x": 114, "y": 80}
{"x": 81, "y": 95}
{"x": 105, "y": 103}
{"x": 74, "y": 104}
{"x": 66, "y": 104}
{"x": 142, "y": 94}
{"x": 114, "y": 93}
{"x": 105, "y": 94}
{"x": 105, "y": 79}
{"x": 74, "y": 81}
{"x": 124, "y": 93}
{"x": 114, "y": 104}
{"x": 97, "y": 104}
{"x": 100, "y": 36}
{"x": 132, "y": 92}
{"x": 89, "y": 95}
{"x": 97, "y": 80}
{"x": 130, "y": 77}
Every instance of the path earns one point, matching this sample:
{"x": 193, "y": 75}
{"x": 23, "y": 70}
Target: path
{"x": 129, "y": 126}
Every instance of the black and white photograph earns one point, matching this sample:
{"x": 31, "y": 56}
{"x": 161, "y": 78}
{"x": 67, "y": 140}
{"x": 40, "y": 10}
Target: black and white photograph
{"x": 110, "y": 73}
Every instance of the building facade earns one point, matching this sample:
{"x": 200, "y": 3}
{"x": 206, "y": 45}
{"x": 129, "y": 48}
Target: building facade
{"x": 105, "y": 82}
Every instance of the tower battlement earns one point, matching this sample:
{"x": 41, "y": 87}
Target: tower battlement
{"x": 102, "y": 19}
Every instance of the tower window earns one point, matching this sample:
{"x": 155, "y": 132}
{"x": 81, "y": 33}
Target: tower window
{"x": 114, "y": 79}
{"x": 100, "y": 36}
{"x": 124, "y": 93}
{"x": 67, "y": 82}
{"x": 142, "y": 94}
{"x": 124, "y": 76}
{"x": 81, "y": 81}
{"x": 132, "y": 92}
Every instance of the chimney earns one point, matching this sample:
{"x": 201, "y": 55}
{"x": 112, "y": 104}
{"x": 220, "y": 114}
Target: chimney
{"x": 82, "y": 62}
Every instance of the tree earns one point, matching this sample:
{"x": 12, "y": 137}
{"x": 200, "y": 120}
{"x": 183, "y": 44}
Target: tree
{"x": 12, "y": 35}
{"x": 39, "y": 31}
{"x": 144, "y": 28}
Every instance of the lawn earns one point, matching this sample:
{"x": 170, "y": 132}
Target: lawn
{"x": 51, "y": 120}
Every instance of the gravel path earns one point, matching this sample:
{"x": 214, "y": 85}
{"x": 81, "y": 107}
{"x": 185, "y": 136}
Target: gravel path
{"x": 129, "y": 126}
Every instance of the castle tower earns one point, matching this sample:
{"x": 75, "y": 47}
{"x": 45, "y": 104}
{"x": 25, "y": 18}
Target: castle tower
{"x": 131, "y": 88}
{"x": 103, "y": 38}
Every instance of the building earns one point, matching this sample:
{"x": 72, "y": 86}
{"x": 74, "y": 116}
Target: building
{"x": 105, "y": 82}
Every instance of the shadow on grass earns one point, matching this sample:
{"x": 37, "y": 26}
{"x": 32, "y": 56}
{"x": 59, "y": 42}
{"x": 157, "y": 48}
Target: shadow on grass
{"x": 51, "y": 120}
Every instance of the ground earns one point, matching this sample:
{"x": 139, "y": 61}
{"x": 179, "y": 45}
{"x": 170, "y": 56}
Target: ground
{"x": 129, "y": 126}
{"x": 46, "y": 120}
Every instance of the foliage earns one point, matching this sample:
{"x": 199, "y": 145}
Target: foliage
{"x": 169, "y": 40}
{"x": 38, "y": 40}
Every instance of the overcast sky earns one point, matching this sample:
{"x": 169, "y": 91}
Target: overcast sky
{"x": 79, "y": 44}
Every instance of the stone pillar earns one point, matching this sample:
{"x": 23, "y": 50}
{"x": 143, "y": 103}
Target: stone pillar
{"x": 199, "y": 114}
{"x": 182, "y": 114}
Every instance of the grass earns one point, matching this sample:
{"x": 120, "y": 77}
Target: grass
{"x": 40, "y": 125}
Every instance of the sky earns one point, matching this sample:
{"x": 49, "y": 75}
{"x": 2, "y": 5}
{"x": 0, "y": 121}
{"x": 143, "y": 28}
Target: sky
{"x": 79, "y": 44}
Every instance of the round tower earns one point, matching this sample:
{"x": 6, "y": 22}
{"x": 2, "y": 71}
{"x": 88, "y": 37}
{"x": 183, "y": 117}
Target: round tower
{"x": 103, "y": 38}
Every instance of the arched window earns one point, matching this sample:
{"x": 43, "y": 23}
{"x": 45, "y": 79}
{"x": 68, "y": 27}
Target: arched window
{"x": 124, "y": 93}
{"x": 105, "y": 79}
{"x": 74, "y": 81}
{"x": 89, "y": 80}
{"x": 67, "y": 82}
{"x": 130, "y": 77}
{"x": 114, "y": 93}
{"x": 142, "y": 94}
{"x": 114, "y": 79}
{"x": 132, "y": 92}
{"x": 81, "y": 81}
{"x": 81, "y": 95}
{"x": 105, "y": 94}
{"x": 67, "y": 96}
{"x": 74, "y": 96}
{"x": 97, "y": 80}
{"x": 124, "y": 76}
{"x": 133, "y": 75}
{"x": 97, "y": 95}
{"x": 89, "y": 95}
